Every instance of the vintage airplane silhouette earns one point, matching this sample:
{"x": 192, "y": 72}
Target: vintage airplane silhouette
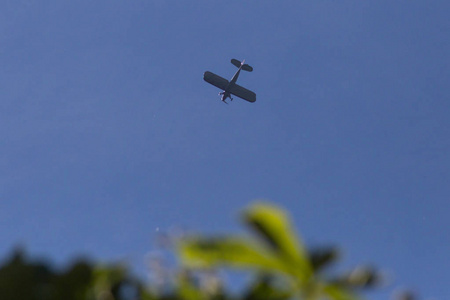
{"x": 230, "y": 87}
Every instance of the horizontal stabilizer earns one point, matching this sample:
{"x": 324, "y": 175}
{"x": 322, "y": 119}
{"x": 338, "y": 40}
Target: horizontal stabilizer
{"x": 236, "y": 63}
{"x": 247, "y": 68}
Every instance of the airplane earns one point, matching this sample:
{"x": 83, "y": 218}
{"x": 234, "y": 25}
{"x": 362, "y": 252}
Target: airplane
{"x": 230, "y": 87}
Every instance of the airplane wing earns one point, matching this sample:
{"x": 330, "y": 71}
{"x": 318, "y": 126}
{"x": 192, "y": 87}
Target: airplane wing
{"x": 216, "y": 80}
{"x": 243, "y": 93}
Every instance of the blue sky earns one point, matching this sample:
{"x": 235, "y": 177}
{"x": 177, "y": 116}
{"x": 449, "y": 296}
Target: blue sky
{"x": 109, "y": 132}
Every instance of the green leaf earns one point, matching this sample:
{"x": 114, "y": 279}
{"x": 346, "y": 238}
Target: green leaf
{"x": 338, "y": 293}
{"x": 186, "y": 289}
{"x": 236, "y": 252}
{"x": 265, "y": 287}
{"x": 273, "y": 225}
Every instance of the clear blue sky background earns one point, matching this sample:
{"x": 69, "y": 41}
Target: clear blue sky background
{"x": 109, "y": 133}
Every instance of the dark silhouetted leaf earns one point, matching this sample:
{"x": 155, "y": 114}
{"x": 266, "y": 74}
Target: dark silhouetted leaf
{"x": 322, "y": 257}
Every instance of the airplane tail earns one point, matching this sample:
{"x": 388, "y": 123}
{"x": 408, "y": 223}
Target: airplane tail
{"x": 238, "y": 64}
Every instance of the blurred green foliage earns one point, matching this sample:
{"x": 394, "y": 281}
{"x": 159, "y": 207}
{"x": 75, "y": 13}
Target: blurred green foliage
{"x": 278, "y": 254}
{"x": 273, "y": 252}
{"x": 23, "y": 278}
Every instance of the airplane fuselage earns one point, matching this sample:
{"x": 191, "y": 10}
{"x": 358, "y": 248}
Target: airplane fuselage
{"x": 226, "y": 93}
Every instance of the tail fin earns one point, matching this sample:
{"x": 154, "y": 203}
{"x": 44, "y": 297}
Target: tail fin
{"x": 238, "y": 64}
